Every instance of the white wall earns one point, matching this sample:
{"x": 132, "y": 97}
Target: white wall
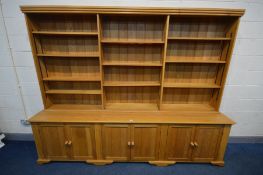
{"x": 242, "y": 100}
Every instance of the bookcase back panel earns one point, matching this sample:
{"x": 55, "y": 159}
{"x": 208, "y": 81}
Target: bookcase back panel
{"x": 116, "y": 73}
{"x": 194, "y": 50}
{"x": 187, "y": 96}
{"x": 68, "y": 45}
{"x": 75, "y": 99}
{"x": 65, "y": 85}
{"x": 132, "y": 94}
{"x": 132, "y": 53}
{"x": 65, "y": 22}
{"x": 199, "y": 26}
{"x": 72, "y": 67}
{"x": 191, "y": 73}
{"x": 130, "y": 27}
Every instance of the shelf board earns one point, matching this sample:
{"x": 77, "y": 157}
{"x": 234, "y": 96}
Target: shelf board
{"x": 200, "y": 38}
{"x": 169, "y": 60}
{"x": 190, "y": 85}
{"x": 73, "y": 92}
{"x": 71, "y": 107}
{"x": 94, "y": 78}
{"x": 132, "y": 106}
{"x": 131, "y": 83}
{"x": 127, "y": 63}
{"x": 187, "y": 107}
{"x": 132, "y": 41}
{"x": 65, "y": 33}
{"x": 92, "y": 55}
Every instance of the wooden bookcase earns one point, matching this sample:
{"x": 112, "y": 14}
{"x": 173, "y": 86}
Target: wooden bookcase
{"x": 107, "y": 61}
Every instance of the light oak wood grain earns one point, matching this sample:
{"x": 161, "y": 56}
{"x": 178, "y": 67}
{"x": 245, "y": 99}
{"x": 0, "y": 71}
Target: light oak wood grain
{"x": 133, "y": 10}
{"x": 145, "y": 142}
{"x": 206, "y": 142}
{"x": 82, "y": 140}
{"x": 131, "y": 83}
{"x": 108, "y": 116}
{"x": 53, "y": 139}
{"x": 115, "y": 142}
{"x": 178, "y": 145}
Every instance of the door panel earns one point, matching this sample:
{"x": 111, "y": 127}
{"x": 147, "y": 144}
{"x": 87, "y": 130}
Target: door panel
{"x": 146, "y": 142}
{"x": 83, "y": 142}
{"x": 53, "y": 141}
{"x": 115, "y": 140}
{"x": 178, "y": 142}
{"x": 207, "y": 138}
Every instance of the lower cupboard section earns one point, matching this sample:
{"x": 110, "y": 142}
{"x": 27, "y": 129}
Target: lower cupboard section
{"x": 159, "y": 144}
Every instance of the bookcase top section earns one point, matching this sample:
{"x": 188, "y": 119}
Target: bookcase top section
{"x": 133, "y": 10}
{"x": 132, "y": 59}
{"x": 108, "y": 116}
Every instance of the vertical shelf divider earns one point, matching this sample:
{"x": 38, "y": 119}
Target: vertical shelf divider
{"x": 100, "y": 60}
{"x": 166, "y": 30}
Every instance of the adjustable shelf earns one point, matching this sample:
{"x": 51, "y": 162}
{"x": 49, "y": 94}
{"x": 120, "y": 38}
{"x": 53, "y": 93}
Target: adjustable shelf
{"x": 132, "y": 41}
{"x": 190, "y": 85}
{"x": 91, "y": 78}
{"x": 73, "y": 92}
{"x": 199, "y": 38}
{"x": 131, "y": 83}
{"x": 87, "y": 55}
{"x": 189, "y": 60}
{"x": 120, "y": 63}
{"x": 65, "y": 33}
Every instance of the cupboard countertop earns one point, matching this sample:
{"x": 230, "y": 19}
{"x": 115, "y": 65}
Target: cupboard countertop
{"x": 108, "y": 116}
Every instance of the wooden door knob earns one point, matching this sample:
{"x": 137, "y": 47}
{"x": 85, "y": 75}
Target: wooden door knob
{"x": 66, "y": 142}
{"x": 129, "y": 143}
{"x": 196, "y": 144}
{"x": 132, "y": 143}
{"x": 192, "y": 144}
{"x": 69, "y": 143}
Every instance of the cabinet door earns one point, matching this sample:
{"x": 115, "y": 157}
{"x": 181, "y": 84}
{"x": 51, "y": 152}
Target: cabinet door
{"x": 207, "y": 140}
{"x": 83, "y": 141}
{"x": 145, "y": 142}
{"x": 178, "y": 142}
{"x": 53, "y": 141}
{"x": 115, "y": 140}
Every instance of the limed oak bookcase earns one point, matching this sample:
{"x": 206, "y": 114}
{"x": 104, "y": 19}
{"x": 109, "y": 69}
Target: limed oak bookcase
{"x": 131, "y": 84}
